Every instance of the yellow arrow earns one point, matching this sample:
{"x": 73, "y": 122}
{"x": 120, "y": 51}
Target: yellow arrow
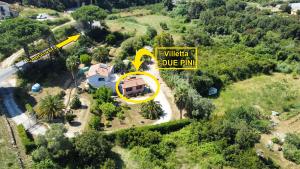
{"x": 48, "y": 50}
{"x": 67, "y": 41}
{"x": 139, "y": 54}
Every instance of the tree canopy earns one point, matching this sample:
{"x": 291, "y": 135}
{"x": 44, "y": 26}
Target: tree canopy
{"x": 19, "y": 32}
{"x": 88, "y": 14}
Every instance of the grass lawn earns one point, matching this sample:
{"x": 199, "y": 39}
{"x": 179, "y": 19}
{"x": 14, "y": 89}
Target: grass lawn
{"x": 126, "y": 26}
{"x": 278, "y": 92}
{"x": 136, "y": 21}
{"x": 26, "y": 12}
{"x": 8, "y": 157}
{"x": 135, "y": 12}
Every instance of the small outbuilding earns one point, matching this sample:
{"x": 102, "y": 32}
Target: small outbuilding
{"x": 36, "y": 88}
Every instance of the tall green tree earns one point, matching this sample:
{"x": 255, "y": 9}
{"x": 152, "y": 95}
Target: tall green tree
{"x": 50, "y": 107}
{"x": 151, "y": 110}
{"x": 101, "y": 54}
{"x": 108, "y": 109}
{"x": 72, "y": 63}
{"x": 181, "y": 96}
{"x": 163, "y": 40}
{"x": 168, "y": 4}
{"x": 88, "y": 14}
{"x": 92, "y": 148}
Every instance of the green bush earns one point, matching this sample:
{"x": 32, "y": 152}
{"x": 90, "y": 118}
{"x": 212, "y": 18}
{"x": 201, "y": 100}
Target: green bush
{"x": 75, "y": 103}
{"x": 111, "y": 39}
{"x": 26, "y": 140}
{"x": 85, "y": 59}
{"x": 164, "y": 26}
{"x": 70, "y": 116}
{"x": 163, "y": 128}
{"x": 95, "y": 123}
{"x": 137, "y": 137}
{"x": 276, "y": 141}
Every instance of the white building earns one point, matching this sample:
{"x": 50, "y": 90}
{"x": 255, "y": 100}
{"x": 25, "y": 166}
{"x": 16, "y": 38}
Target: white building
{"x": 5, "y": 11}
{"x": 101, "y": 75}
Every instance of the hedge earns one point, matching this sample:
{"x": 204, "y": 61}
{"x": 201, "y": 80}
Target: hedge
{"x": 26, "y": 140}
{"x": 163, "y": 128}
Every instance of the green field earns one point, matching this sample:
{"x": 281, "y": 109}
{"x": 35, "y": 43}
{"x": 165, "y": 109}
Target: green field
{"x": 278, "y": 92}
{"x": 8, "y": 157}
{"x": 26, "y": 12}
{"x": 137, "y": 21}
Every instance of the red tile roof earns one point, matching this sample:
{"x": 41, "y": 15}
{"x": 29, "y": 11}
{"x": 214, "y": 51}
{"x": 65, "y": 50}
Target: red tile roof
{"x": 133, "y": 82}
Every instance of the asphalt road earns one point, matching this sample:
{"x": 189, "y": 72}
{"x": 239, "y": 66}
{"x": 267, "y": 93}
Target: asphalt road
{"x": 15, "y": 113}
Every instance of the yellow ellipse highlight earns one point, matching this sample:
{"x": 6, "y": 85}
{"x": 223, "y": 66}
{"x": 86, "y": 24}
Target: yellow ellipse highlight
{"x": 132, "y": 100}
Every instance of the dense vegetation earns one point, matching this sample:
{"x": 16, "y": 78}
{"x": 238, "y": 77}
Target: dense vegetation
{"x": 236, "y": 41}
{"x": 19, "y": 33}
{"x": 291, "y": 150}
{"x": 218, "y": 143}
{"x": 54, "y": 150}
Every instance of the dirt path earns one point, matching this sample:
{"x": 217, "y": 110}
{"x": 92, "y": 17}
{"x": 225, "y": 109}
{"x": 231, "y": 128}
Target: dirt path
{"x": 82, "y": 117}
{"x": 288, "y": 126}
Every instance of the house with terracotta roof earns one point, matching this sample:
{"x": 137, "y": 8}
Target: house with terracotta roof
{"x": 133, "y": 86}
{"x": 100, "y": 75}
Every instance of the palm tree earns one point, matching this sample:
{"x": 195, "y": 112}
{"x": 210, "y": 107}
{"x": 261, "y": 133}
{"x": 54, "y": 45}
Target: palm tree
{"x": 151, "y": 110}
{"x": 181, "y": 95}
{"x": 72, "y": 64}
{"x": 51, "y": 107}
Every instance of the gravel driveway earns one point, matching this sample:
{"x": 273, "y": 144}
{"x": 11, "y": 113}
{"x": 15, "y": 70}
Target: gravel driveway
{"x": 161, "y": 97}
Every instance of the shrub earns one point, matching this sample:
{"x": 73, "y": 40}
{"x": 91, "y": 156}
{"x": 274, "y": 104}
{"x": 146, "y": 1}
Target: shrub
{"x": 108, "y": 109}
{"x": 70, "y": 116}
{"x": 121, "y": 116}
{"x": 29, "y": 108}
{"x": 110, "y": 39}
{"x": 75, "y": 103}
{"x": 26, "y": 140}
{"x": 85, "y": 59}
{"x": 137, "y": 137}
{"x": 276, "y": 141}
{"x": 95, "y": 123}
{"x": 164, "y": 26}
{"x": 151, "y": 110}
{"x": 101, "y": 55}
{"x": 163, "y": 128}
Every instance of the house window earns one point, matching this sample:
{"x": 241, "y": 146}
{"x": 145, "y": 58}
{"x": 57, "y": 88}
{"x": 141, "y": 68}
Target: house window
{"x": 129, "y": 89}
{"x": 101, "y": 79}
{"x": 139, "y": 87}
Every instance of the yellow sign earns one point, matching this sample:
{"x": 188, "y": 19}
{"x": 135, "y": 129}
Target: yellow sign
{"x": 176, "y": 57}
{"x": 132, "y": 100}
{"x": 49, "y": 50}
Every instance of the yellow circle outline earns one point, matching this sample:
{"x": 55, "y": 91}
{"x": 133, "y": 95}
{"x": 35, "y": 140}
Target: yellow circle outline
{"x": 137, "y": 73}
